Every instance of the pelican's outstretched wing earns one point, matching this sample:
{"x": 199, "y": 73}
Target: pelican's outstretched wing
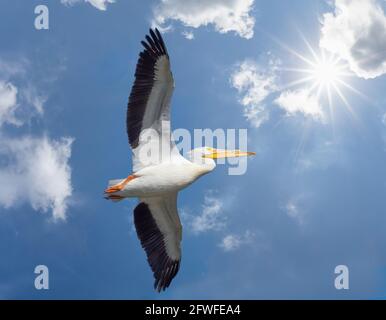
{"x": 149, "y": 103}
{"x": 160, "y": 232}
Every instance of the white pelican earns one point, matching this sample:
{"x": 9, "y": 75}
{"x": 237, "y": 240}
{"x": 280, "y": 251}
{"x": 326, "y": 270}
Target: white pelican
{"x": 157, "y": 184}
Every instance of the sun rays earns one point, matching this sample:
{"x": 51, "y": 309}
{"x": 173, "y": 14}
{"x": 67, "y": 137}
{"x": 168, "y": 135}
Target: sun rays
{"x": 327, "y": 79}
{"x": 324, "y": 75}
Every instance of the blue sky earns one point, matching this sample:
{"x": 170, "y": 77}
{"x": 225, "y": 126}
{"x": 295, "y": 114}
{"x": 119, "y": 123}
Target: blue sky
{"x": 313, "y": 197}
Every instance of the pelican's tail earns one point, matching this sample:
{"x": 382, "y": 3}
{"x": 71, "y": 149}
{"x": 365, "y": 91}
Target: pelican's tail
{"x": 114, "y": 198}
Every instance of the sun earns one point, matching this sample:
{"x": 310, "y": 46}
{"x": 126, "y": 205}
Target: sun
{"x": 322, "y": 74}
{"x": 327, "y": 73}
{"x": 324, "y": 79}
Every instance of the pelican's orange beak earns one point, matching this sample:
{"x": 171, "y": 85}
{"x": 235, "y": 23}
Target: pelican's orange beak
{"x": 217, "y": 154}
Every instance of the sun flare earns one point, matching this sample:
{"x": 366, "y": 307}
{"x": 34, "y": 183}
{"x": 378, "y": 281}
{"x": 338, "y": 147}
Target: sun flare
{"x": 323, "y": 74}
{"x": 326, "y": 72}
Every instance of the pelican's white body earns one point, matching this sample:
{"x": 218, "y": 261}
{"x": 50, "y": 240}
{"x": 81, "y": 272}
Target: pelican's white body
{"x": 163, "y": 178}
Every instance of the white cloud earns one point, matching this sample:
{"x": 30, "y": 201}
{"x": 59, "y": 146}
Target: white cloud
{"x": 293, "y": 211}
{"x": 356, "y": 31}
{"x": 255, "y": 84}
{"x": 296, "y": 208}
{"x": 210, "y": 218}
{"x": 233, "y": 242}
{"x": 17, "y": 105}
{"x": 99, "y": 4}
{"x": 13, "y": 68}
{"x": 188, "y": 35}
{"x": 33, "y": 169}
{"x": 8, "y": 100}
{"x": 300, "y": 101}
{"x": 34, "y": 99}
{"x": 37, "y": 171}
{"x": 258, "y": 87}
{"x": 225, "y": 15}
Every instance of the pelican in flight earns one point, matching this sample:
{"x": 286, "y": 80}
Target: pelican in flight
{"x": 157, "y": 182}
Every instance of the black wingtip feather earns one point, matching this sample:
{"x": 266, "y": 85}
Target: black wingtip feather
{"x": 164, "y": 268}
{"x": 154, "y": 48}
{"x": 161, "y": 40}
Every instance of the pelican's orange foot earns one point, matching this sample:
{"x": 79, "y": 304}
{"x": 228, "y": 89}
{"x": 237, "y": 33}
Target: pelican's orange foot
{"x": 119, "y": 186}
{"x": 115, "y": 188}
